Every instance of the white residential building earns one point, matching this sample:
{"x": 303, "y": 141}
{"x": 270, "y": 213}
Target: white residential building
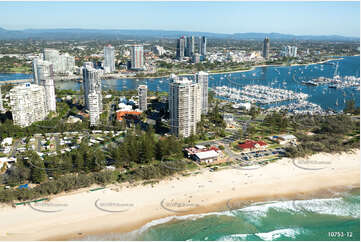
{"x": 137, "y": 57}
{"x": 62, "y": 63}
{"x": 289, "y": 51}
{"x": 109, "y": 59}
{"x": 158, "y": 50}
{"x": 184, "y": 107}
{"x": 28, "y": 104}
{"x": 142, "y": 94}
{"x": 92, "y": 82}
{"x": 43, "y": 75}
{"x": 202, "y": 80}
{"x": 94, "y": 108}
{"x": 1, "y": 102}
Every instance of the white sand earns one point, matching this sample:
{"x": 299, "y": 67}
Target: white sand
{"x": 77, "y": 212}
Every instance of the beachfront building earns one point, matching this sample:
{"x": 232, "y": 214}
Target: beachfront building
{"x": 181, "y": 47}
{"x": 137, "y": 57}
{"x": 92, "y": 83}
{"x": 184, "y": 106}
{"x": 266, "y": 47}
{"x": 43, "y": 75}
{"x": 202, "y": 80}
{"x": 206, "y": 157}
{"x": 201, "y": 153}
{"x": 28, "y": 104}
{"x": 109, "y": 59}
{"x": 142, "y": 95}
{"x": 284, "y": 139}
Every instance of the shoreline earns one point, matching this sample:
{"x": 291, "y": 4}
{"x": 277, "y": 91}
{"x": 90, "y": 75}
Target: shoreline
{"x": 210, "y": 191}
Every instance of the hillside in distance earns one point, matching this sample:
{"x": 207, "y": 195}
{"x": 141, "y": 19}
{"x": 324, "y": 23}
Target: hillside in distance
{"x": 89, "y": 34}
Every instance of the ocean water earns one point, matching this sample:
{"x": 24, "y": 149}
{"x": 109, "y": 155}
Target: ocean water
{"x": 336, "y": 218}
{"x": 273, "y": 76}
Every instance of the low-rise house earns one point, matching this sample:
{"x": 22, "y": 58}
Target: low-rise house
{"x": 206, "y": 156}
{"x": 287, "y": 138}
{"x": 250, "y": 145}
{"x": 200, "y": 153}
{"x": 73, "y": 119}
{"x": 7, "y": 141}
{"x": 284, "y": 139}
{"x": 6, "y": 162}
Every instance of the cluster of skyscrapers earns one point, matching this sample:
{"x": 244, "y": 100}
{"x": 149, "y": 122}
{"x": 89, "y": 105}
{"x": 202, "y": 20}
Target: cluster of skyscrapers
{"x": 289, "y": 51}
{"x": 188, "y": 100}
{"x": 33, "y": 102}
{"x": 186, "y": 47}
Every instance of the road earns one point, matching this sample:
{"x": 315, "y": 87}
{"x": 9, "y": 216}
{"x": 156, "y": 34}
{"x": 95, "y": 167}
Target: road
{"x": 14, "y": 147}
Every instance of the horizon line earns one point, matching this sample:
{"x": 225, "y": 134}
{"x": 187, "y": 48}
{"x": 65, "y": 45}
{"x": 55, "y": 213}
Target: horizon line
{"x": 81, "y": 28}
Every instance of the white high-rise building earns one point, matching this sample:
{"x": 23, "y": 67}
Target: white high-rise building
{"x": 294, "y": 51}
{"x": 62, "y": 63}
{"x": 142, "y": 94}
{"x": 50, "y": 97}
{"x": 94, "y": 108}
{"x": 109, "y": 59}
{"x": 137, "y": 55}
{"x": 184, "y": 107}
{"x": 52, "y": 56}
{"x": 92, "y": 82}
{"x": 158, "y": 50}
{"x": 1, "y": 101}
{"x": 181, "y": 47}
{"x": 203, "y": 45}
{"x": 28, "y": 104}
{"x": 43, "y": 75}
{"x": 290, "y": 51}
{"x": 202, "y": 80}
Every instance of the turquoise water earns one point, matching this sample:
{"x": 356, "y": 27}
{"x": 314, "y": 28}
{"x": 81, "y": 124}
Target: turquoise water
{"x": 311, "y": 219}
{"x": 273, "y": 76}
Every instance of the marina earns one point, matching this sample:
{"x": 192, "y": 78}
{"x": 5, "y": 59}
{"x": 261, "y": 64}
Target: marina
{"x": 291, "y": 78}
{"x": 258, "y": 94}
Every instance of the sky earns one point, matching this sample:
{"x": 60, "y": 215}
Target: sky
{"x": 299, "y": 18}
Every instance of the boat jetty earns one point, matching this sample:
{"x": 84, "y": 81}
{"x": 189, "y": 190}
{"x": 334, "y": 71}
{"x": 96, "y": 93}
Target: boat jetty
{"x": 335, "y": 82}
{"x": 258, "y": 94}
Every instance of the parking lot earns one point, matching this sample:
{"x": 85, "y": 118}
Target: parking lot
{"x": 260, "y": 154}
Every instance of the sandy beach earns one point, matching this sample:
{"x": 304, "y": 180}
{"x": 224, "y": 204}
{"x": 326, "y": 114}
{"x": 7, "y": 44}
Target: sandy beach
{"x": 123, "y": 208}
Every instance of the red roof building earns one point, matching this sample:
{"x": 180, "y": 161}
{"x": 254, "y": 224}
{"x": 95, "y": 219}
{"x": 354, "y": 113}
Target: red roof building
{"x": 251, "y": 144}
{"x": 127, "y": 114}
